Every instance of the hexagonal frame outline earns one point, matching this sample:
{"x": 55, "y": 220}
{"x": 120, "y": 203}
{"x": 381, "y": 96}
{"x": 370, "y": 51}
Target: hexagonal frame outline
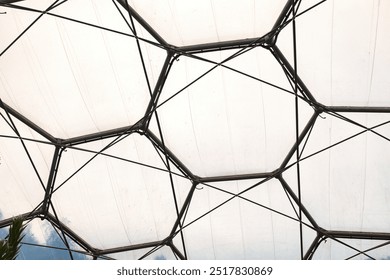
{"x": 267, "y": 41}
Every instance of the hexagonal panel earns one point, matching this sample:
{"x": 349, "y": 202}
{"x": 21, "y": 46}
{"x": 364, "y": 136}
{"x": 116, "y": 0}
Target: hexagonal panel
{"x": 346, "y": 187}
{"x": 257, "y": 225}
{"x": 26, "y": 190}
{"x": 18, "y": 20}
{"x": 187, "y": 23}
{"x": 229, "y": 122}
{"x": 222, "y": 112}
{"x": 343, "y": 62}
{"x": 116, "y": 199}
{"x": 86, "y": 79}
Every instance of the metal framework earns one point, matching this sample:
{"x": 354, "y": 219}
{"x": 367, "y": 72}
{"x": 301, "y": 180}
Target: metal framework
{"x": 46, "y": 210}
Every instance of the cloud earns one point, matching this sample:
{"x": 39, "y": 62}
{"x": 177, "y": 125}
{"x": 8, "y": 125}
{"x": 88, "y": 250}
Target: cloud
{"x": 40, "y": 231}
{"x": 160, "y": 257}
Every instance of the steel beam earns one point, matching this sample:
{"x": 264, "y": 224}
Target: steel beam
{"x": 157, "y": 90}
{"x": 313, "y": 247}
{"x": 249, "y": 176}
{"x": 178, "y": 224}
{"x": 357, "y": 235}
{"x": 287, "y": 187}
{"x": 291, "y": 72}
{"x": 146, "y": 25}
{"x": 52, "y": 178}
{"x": 71, "y": 234}
{"x": 183, "y": 209}
{"x": 176, "y": 251}
{"x": 285, "y": 13}
{"x": 28, "y": 122}
{"x": 225, "y": 45}
{"x": 300, "y": 139}
{"x": 180, "y": 165}
{"x": 129, "y": 248}
{"x": 24, "y": 217}
{"x": 357, "y": 109}
{"x": 5, "y": 2}
{"x": 100, "y": 135}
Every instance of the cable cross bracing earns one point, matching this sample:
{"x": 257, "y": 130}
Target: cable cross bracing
{"x": 166, "y": 213}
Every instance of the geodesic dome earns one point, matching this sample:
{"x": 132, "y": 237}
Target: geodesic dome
{"x": 208, "y": 129}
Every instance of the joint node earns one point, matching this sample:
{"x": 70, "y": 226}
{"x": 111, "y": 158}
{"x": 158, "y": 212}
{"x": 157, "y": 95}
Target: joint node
{"x": 269, "y": 41}
{"x": 196, "y": 180}
{"x": 278, "y": 174}
{"x": 140, "y": 132}
{"x": 318, "y": 108}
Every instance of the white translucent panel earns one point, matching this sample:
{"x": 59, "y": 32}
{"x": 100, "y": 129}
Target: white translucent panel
{"x": 342, "y": 52}
{"x": 226, "y": 122}
{"x": 163, "y": 253}
{"x": 106, "y": 15}
{"x": 284, "y": 210}
{"x": 103, "y": 14}
{"x": 116, "y": 202}
{"x": 78, "y": 70}
{"x": 21, "y": 188}
{"x": 354, "y": 249}
{"x": 186, "y": 22}
{"x": 36, "y": 4}
{"x": 15, "y": 21}
{"x": 85, "y": 80}
{"x": 242, "y": 228}
{"x": 346, "y": 187}
{"x": 100, "y": 13}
